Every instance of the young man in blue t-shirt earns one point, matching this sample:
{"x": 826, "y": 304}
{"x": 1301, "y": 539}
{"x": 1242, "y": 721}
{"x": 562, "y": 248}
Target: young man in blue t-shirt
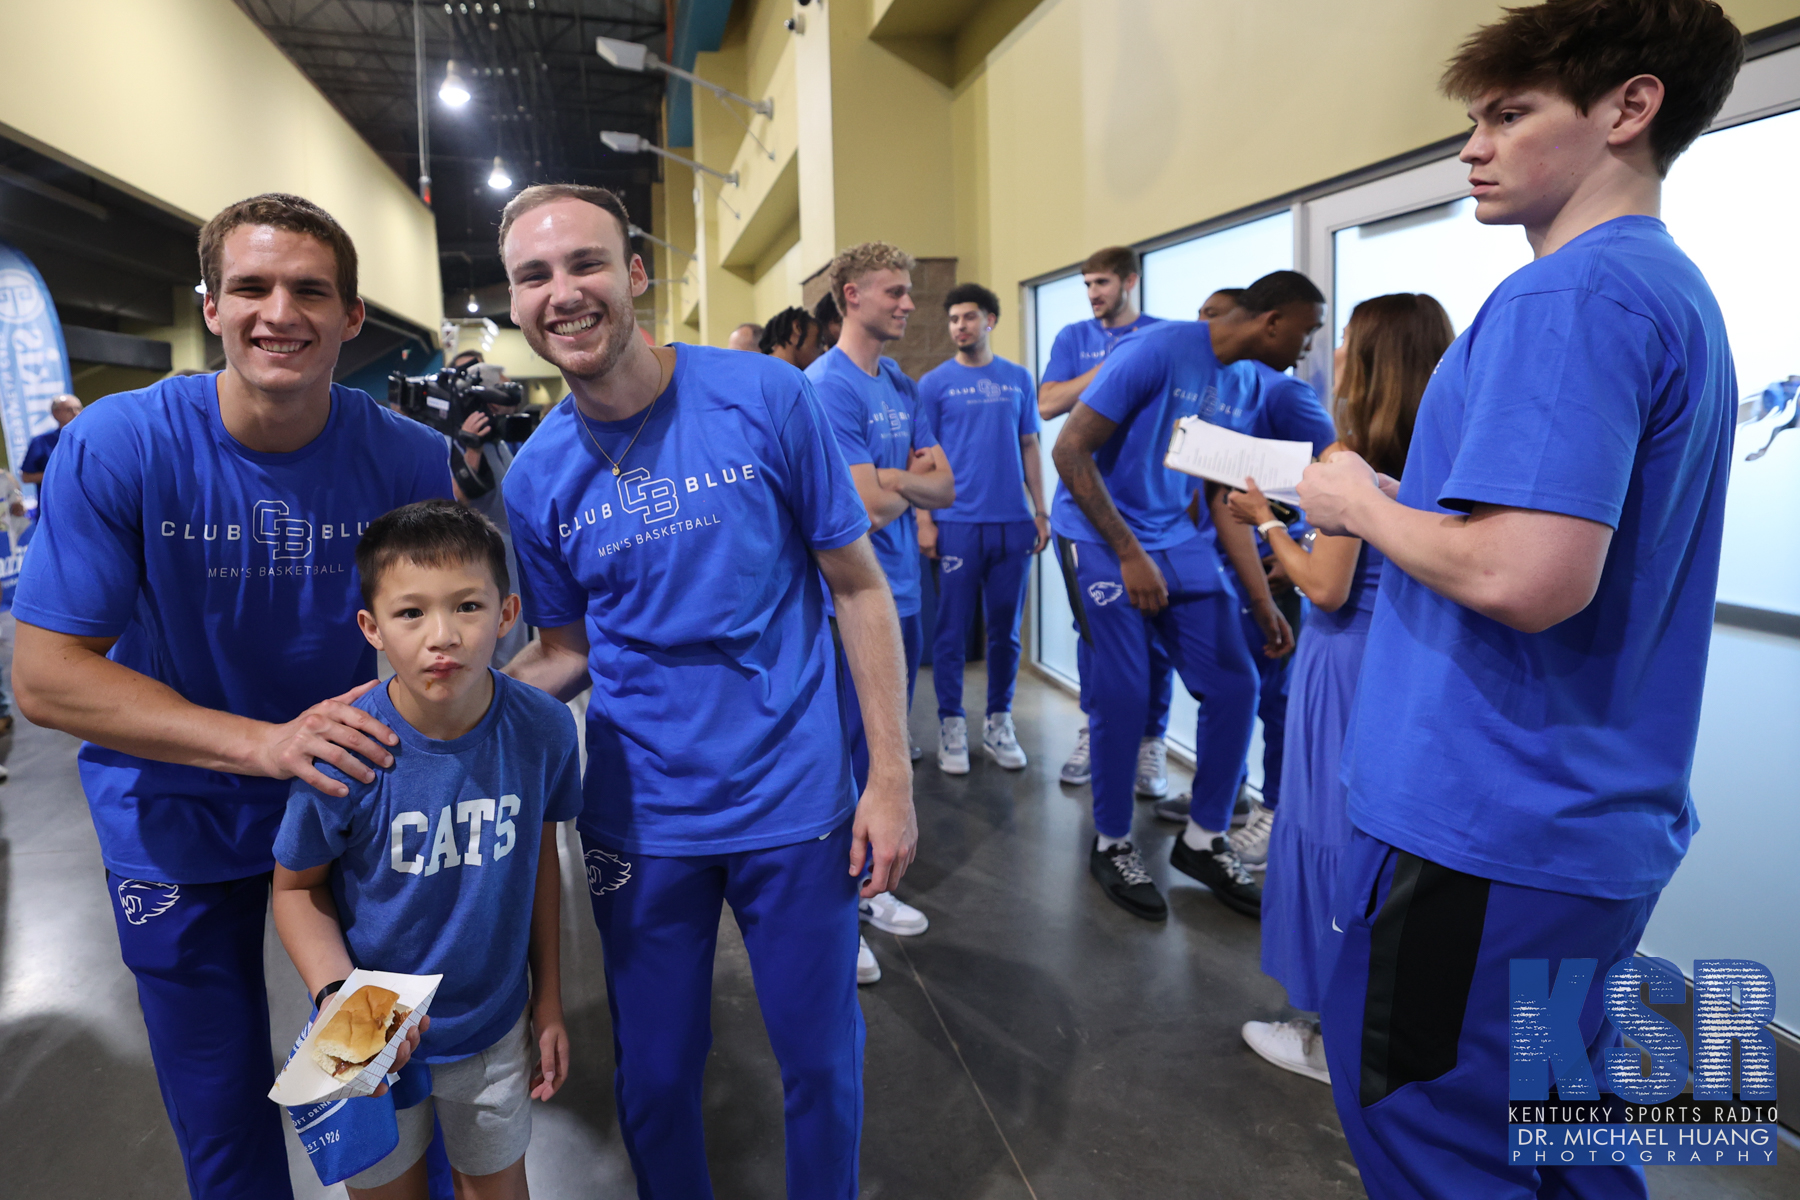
{"x": 1262, "y": 399}
{"x": 446, "y": 864}
{"x": 672, "y": 520}
{"x": 1147, "y": 575}
{"x": 1517, "y": 763}
{"x": 1111, "y": 277}
{"x": 982, "y": 409}
{"x": 189, "y": 597}
{"x": 897, "y": 466}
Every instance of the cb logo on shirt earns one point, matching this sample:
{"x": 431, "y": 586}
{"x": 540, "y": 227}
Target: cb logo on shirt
{"x": 292, "y": 537}
{"x": 654, "y": 498}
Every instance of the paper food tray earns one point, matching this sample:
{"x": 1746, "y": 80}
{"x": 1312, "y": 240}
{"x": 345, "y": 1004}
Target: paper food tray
{"x": 303, "y": 1081}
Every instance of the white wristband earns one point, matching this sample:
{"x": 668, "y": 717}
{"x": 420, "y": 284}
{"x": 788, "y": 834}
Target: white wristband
{"x": 1268, "y": 525}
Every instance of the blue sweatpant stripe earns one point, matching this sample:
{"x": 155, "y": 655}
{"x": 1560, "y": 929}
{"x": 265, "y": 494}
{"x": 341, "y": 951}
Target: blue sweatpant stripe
{"x": 197, "y": 953}
{"x": 984, "y": 564}
{"x": 658, "y": 920}
{"x": 1445, "y": 1138}
{"x": 912, "y": 637}
{"x": 1200, "y": 632}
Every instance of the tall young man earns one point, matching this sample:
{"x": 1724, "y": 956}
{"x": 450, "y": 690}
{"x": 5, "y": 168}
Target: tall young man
{"x": 1260, "y": 398}
{"x": 1146, "y": 574}
{"x": 986, "y": 419}
{"x": 204, "y": 530}
{"x": 897, "y": 466}
{"x": 672, "y": 519}
{"x": 1517, "y": 766}
{"x": 1111, "y": 276}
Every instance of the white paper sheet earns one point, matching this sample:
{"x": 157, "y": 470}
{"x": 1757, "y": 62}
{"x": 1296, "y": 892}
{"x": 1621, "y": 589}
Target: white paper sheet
{"x": 1225, "y": 456}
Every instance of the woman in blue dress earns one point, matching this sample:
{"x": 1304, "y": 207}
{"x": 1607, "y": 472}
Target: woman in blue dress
{"x": 1390, "y": 347}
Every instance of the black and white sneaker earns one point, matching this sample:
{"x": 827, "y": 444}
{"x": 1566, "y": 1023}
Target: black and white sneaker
{"x": 1221, "y": 870}
{"x": 1120, "y": 872}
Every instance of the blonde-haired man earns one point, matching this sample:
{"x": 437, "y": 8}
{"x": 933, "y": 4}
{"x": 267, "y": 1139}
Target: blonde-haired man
{"x": 897, "y": 465}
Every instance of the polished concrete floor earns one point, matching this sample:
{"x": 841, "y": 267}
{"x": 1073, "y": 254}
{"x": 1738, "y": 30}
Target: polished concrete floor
{"x": 1037, "y": 1042}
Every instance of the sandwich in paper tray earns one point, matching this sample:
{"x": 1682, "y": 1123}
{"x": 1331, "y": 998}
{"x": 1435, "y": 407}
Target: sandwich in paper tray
{"x": 341, "y": 1057}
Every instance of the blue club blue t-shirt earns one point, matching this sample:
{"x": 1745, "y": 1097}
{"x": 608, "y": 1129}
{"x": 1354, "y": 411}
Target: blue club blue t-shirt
{"x": 434, "y": 864}
{"x": 1164, "y": 373}
{"x": 979, "y": 414}
{"x": 227, "y": 574}
{"x": 878, "y": 420}
{"x": 713, "y": 725}
{"x": 1595, "y": 382}
{"x": 1082, "y": 346}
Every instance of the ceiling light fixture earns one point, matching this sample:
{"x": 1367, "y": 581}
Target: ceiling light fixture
{"x": 454, "y": 91}
{"x": 498, "y": 179}
{"x": 473, "y": 306}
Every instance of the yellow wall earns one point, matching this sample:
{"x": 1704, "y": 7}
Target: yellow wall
{"x": 1111, "y": 121}
{"x": 187, "y": 104}
{"x": 1087, "y": 123}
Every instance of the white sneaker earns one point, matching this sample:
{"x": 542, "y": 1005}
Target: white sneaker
{"x": 890, "y": 914}
{"x": 1291, "y": 1045}
{"x": 1252, "y": 841}
{"x": 1078, "y": 770}
{"x": 867, "y": 969}
{"x": 953, "y": 746}
{"x": 1153, "y": 768}
{"x": 1001, "y": 743}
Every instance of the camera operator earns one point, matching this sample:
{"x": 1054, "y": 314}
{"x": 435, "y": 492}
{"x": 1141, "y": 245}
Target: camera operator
{"x": 487, "y": 460}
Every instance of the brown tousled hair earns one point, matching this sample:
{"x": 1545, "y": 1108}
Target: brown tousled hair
{"x": 1391, "y": 346}
{"x": 540, "y": 194}
{"x": 1582, "y": 49}
{"x": 278, "y": 210}
{"x": 1118, "y": 261}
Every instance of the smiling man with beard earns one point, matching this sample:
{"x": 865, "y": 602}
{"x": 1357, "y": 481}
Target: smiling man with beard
{"x": 188, "y": 597}
{"x": 672, "y": 520}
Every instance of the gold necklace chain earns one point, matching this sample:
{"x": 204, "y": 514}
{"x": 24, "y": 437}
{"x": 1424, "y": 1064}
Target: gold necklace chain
{"x": 617, "y": 463}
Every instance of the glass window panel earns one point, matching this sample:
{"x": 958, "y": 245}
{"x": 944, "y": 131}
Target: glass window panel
{"x": 1057, "y": 303}
{"x": 1729, "y": 203}
{"x": 1179, "y": 278}
{"x": 1442, "y": 251}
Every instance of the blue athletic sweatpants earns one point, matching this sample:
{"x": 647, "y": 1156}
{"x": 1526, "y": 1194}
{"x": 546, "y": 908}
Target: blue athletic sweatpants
{"x": 912, "y": 636}
{"x": 1416, "y": 1030}
{"x": 1201, "y": 634}
{"x": 976, "y": 562}
{"x": 197, "y": 953}
{"x": 659, "y": 922}
{"x": 1162, "y": 672}
{"x": 1271, "y": 703}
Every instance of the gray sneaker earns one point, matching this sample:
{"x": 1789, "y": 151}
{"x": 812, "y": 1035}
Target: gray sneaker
{"x": 1079, "y": 769}
{"x": 1252, "y": 841}
{"x": 1152, "y": 769}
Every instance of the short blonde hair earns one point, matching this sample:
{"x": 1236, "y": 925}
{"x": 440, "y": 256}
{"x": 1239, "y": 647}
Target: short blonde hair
{"x": 852, "y": 264}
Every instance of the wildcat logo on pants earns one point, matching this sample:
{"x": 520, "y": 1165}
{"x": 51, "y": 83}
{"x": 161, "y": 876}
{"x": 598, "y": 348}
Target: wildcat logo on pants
{"x": 141, "y": 899}
{"x": 1105, "y": 592}
{"x": 606, "y": 872}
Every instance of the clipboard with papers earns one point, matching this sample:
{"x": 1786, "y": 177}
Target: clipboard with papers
{"x": 1221, "y": 455}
